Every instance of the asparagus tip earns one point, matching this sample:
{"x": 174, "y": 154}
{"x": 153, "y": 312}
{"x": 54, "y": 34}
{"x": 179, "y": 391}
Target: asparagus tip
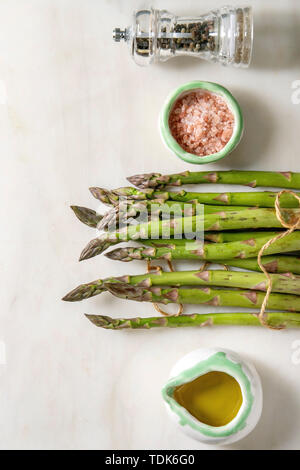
{"x": 90, "y": 250}
{"x": 95, "y": 192}
{"x": 145, "y": 181}
{"x": 114, "y": 254}
{"x": 66, "y": 298}
{"x": 132, "y": 193}
{"x": 119, "y": 254}
{"x": 104, "y": 195}
{"x": 71, "y": 296}
{"x": 100, "y": 320}
{"x": 87, "y": 216}
{"x": 94, "y": 248}
{"x": 126, "y": 291}
{"x": 76, "y": 209}
{"x": 140, "y": 181}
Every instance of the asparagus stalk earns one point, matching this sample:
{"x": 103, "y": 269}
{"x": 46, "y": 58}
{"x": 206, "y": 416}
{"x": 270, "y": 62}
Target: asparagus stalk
{"x": 211, "y": 209}
{"x": 103, "y": 222}
{"x": 215, "y": 237}
{"x": 273, "y": 264}
{"x": 196, "y": 249}
{"x": 248, "y": 219}
{"x": 87, "y": 216}
{"x": 205, "y": 295}
{"x": 253, "y": 281}
{"x": 247, "y": 178}
{"x": 254, "y": 199}
{"x": 119, "y": 215}
{"x": 274, "y": 319}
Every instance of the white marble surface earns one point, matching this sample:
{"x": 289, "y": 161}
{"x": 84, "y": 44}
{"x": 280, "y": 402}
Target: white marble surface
{"x": 75, "y": 111}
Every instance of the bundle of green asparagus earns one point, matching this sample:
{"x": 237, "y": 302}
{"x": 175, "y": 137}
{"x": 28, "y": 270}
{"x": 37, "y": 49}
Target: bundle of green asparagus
{"x": 222, "y": 228}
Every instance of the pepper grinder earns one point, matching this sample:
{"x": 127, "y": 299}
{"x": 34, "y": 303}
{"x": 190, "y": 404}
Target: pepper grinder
{"x": 224, "y": 35}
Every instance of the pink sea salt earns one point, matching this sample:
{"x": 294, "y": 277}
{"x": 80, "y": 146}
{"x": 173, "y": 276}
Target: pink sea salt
{"x": 201, "y": 122}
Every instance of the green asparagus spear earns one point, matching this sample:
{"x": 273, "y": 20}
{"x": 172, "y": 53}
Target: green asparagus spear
{"x": 254, "y": 199}
{"x": 250, "y": 199}
{"x": 275, "y": 320}
{"x": 120, "y": 215}
{"x": 152, "y": 210}
{"x": 87, "y": 216}
{"x": 92, "y": 219}
{"x": 208, "y": 251}
{"x": 205, "y": 295}
{"x": 254, "y": 281}
{"x": 102, "y": 222}
{"x": 273, "y": 264}
{"x": 283, "y": 179}
{"x": 215, "y": 237}
{"x": 248, "y": 219}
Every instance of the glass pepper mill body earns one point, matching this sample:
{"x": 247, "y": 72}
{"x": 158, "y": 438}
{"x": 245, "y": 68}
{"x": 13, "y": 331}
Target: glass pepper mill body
{"x": 224, "y": 35}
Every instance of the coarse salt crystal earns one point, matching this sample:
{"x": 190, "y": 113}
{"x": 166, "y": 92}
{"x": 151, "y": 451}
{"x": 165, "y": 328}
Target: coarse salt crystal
{"x": 201, "y": 122}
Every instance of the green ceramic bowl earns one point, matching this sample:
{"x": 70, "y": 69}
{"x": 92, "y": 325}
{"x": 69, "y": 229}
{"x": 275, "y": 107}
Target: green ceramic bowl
{"x": 173, "y": 145}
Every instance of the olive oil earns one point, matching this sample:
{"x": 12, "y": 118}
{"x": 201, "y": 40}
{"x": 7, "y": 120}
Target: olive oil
{"x": 213, "y": 398}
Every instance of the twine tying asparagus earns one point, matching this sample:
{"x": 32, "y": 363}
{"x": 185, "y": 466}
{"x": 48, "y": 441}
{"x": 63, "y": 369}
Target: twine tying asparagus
{"x": 291, "y": 228}
{"x": 171, "y": 267}
{"x": 155, "y": 305}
